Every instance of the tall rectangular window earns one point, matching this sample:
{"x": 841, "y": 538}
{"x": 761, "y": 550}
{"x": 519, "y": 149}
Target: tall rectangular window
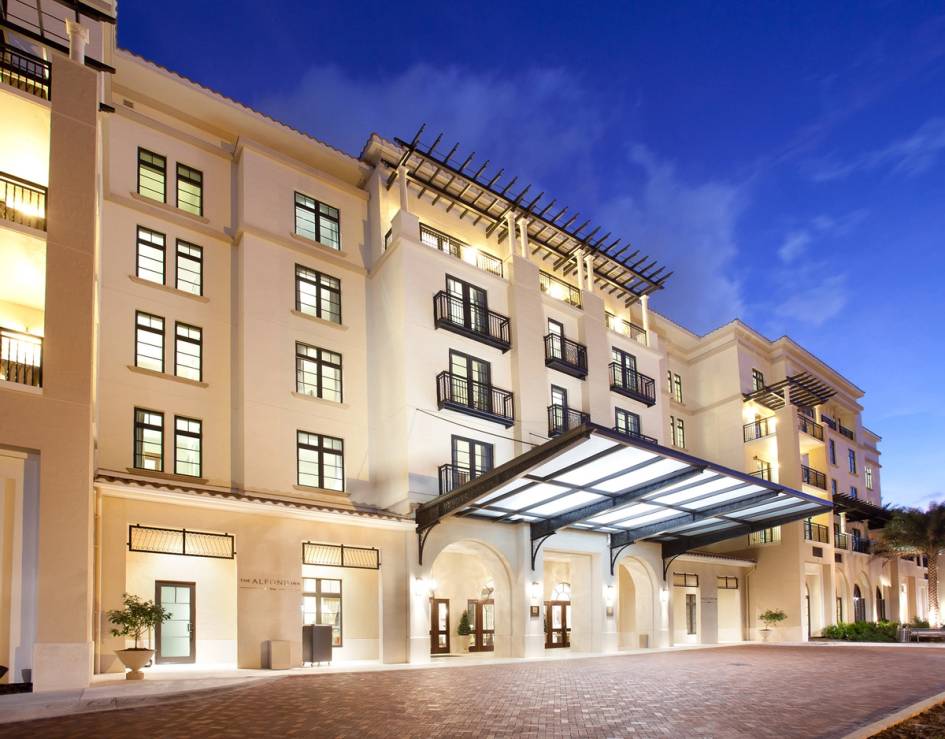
{"x": 188, "y": 352}
{"x": 677, "y": 387}
{"x": 627, "y": 422}
{"x": 833, "y": 486}
{"x": 189, "y": 189}
{"x": 149, "y": 260}
{"x": 868, "y": 473}
{"x": 690, "y": 613}
{"x": 832, "y": 451}
{"x": 757, "y": 379}
{"x": 188, "y": 446}
{"x": 320, "y": 461}
{"x": 853, "y": 491}
{"x": 317, "y": 294}
{"x": 317, "y": 221}
{"x": 189, "y": 268}
{"x": 152, "y": 175}
{"x": 317, "y": 372}
{"x": 321, "y": 604}
{"x": 851, "y": 459}
{"x": 677, "y": 431}
{"x": 471, "y": 458}
{"x": 149, "y": 341}
{"x": 149, "y": 440}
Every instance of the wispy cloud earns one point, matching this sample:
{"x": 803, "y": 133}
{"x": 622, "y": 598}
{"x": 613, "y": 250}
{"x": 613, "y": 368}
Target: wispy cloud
{"x": 794, "y": 246}
{"x": 817, "y": 302}
{"x": 797, "y": 241}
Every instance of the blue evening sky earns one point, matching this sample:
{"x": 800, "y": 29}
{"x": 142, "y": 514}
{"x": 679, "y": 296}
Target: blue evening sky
{"x": 787, "y": 160}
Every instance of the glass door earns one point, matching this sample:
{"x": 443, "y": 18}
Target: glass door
{"x": 559, "y": 403}
{"x": 469, "y": 305}
{"x": 472, "y": 381}
{"x": 482, "y": 621}
{"x": 176, "y": 638}
{"x": 626, "y": 368}
{"x": 470, "y": 458}
{"x": 439, "y": 626}
{"x": 557, "y": 628}
{"x": 555, "y": 340}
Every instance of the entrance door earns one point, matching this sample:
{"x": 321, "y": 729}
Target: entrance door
{"x": 557, "y": 624}
{"x": 482, "y": 620}
{"x": 439, "y": 626}
{"x": 176, "y": 637}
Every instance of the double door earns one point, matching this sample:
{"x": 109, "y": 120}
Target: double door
{"x": 469, "y": 305}
{"x": 481, "y": 615}
{"x": 557, "y": 624}
{"x": 472, "y": 381}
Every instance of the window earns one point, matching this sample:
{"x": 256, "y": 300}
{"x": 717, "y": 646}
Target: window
{"x": 832, "y": 451}
{"x": 152, "y": 175}
{"x": 471, "y": 458}
{"x": 868, "y": 473}
{"x": 690, "y": 613}
{"x": 188, "y": 352}
{"x": 320, "y": 461}
{"x": 317, "y": 372}
{"x": 149, "y": 263}
{"x": 627, "y": 422}
{"x": 317, "y": 294}
{"x": 851, "y": 459}
{"x": 188, "y": 454}
{"x": 765, "y": 536}
{"x": 675, "y": 385}
{"x": 317, "y": 221}
{"x": 189, "y": 268}
{"x": 189, "y": 189}
{"x": 149, "y": 440}
{"x": 726, "y": 582}
{"x": 677, "y": 431}
{"x": 685, "y": 580}
{"x": 468, "y": 305}
{"x": 471, "y": 381}
{"x": 833, "y": 486}
{"x": 853, "y": 491}
{"x": 149, "y": 341}
{"x": 321, "y": 604}
{"x": 757, "y": 379}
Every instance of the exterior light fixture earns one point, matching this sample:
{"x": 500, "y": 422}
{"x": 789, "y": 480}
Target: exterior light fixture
{"x": 664, "y": 595}
{"x": 535, "y": 590}
{"x": 609, "y": 595}
{"x": 470, "y": 254}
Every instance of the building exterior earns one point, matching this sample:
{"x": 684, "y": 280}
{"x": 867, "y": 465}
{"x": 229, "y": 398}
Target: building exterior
{"x": 269, "y": 384}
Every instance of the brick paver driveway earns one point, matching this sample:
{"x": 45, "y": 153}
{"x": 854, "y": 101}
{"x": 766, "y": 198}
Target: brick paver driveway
{"x": 742, "y": 691}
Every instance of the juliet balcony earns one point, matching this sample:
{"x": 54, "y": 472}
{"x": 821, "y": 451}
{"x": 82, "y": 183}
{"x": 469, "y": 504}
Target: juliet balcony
{"x": 22, "y": 202}
{"x": 812, "y": 477}
{"x": 473, "y": 398}
{"x": 21, "y": 358}
{"x": 758, "y": 429}
{"x": 566, "y": 356}
{"x": 631, "y": 434}
{"x": 24, "y": 71}
{"x": 632, "y": 384}
{"x": 561, "y": 419}
{"x": 452, "y": 313}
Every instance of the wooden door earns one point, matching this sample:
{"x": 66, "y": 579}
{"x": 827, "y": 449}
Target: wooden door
{"x": 557, "y": 626}
{"x": 439, "y": 626}
{"x": 482, "y": 620}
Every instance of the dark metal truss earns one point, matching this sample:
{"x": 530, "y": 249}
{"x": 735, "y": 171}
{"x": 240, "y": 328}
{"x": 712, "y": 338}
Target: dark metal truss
{"x": 552, "y": 234}
{"x": 806, "y": 392}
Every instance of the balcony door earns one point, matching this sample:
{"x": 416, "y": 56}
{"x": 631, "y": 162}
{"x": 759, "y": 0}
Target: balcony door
{"x": 176, "y": 638}
{"x": 559, "y": 407}
{"x": 472, "y": 381}
{"x": 469, "y": 305}
{"x": 556, "y": 340}
{"x": 470, "y": 459}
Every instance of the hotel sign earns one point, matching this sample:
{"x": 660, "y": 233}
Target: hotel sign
{"x": 261, "y": 582}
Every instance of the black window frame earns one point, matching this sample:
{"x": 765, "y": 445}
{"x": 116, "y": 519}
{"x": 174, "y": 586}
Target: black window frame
{"x": 832, "y": 451}
{"x": 139, "y": 242}
{"x": 726, "y": 582}
{"x": 677, "y": 427}
{"x": 187, "y": 177}
{"x": 178, "y": 255}
{"x": 691, "y": 617}
{"x": 488, "y": 455}
{"x": 676, "y": 389}
{"x": 136, "y": 450}
{"x": 321, "y": 283}
{"x": 318, "y": 594}
{"x": 757, "y": 379}
{"x": 618, "y": 412}
{"x": 321, "y": 450}
{"x": 162, "y": 171}
{"x": 198, "y": 342}
{"x": 689, "y": 580}
{"x": 320, "y": 362}
{"x": 851, "y": 460}
{"x": 868, "y": 476}
{"x": 151, "y": 330}
{"x": 318, "y": 210}
{"x": 190, "y": 434}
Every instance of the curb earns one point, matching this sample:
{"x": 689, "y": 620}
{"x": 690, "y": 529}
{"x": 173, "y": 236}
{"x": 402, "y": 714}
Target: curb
{"x": 896, "y": 718}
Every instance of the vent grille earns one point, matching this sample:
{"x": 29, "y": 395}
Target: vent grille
{"x": 339, "y": 555}
{"x": 180, "y": 541}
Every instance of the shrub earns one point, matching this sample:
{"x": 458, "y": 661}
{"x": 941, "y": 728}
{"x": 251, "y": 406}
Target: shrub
{"x": 464, "y": 628}
{"x": 919, "y": 623}
{"x": 866, "y": 631}
{"x": 772, "y": 618}
{"x": 137, "y": 617}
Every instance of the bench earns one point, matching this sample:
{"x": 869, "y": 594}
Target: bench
{"x": 910, "y": 634}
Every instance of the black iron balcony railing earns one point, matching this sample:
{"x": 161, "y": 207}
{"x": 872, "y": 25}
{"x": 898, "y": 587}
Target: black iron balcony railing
{"x": 816, "y": 532}
{"x": 633, "y": 384}
{"x": 828, "y": 421}
{"x": 21, "y": 358}
{"x": 625, "y": 327}
{"x": 764, "y": 473}
{"x": 636, "y": 435}
{"x": 470, "y": 254}
{"x": 810, "y": 427}
{"x": 22, "y": 202}
{"x": 816, "y": 478}
{"x": 559, "y": 289}
{"x": 863, "y": 546}
{"x": 453, "y": 476}
{"x": 758, "y": 429}
{"x": 765, "y": 536}
{"x": 464, "y": 317}
{"x": 849, "y": 433}
{"x": 474, "y": 398}
{"x": 24, "y": 71}
{"x": 841, "y": 540}
{"x": 561, "y": 419}
{"x": 565, "y": 355}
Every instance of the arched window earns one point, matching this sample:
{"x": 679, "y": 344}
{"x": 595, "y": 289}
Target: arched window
{"x": 859, "y": 605}
{"x": 561, "y": 591}
{"x": 880, "y": 605}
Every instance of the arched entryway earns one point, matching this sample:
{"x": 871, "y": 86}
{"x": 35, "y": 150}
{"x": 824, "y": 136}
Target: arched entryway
{"x": 843, "y": 612}
{"x": 636, "y": 605}
{"x": 880, "y": 604}
{"x": 471, "y": 579}
{"x": 859, "y": 605}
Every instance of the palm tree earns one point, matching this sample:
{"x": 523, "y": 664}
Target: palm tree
{"x": 912, "y": 531}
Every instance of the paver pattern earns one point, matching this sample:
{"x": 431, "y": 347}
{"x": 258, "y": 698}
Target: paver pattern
{"x": 740, "y": 691}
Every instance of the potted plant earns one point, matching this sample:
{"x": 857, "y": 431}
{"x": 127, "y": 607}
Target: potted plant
{"x": 464, "y": 630}
{"x": 771, "y": 618}
{"x": 136, "y": 619}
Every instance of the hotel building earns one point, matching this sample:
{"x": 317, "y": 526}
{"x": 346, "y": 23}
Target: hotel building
{"x": 270, "y": 384}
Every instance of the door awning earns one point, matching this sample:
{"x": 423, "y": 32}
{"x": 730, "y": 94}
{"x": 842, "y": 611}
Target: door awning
{"x": 596, "y": 479}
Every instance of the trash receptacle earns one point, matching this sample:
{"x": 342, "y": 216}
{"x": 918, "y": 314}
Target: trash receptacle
{"x": 316, "y": 644}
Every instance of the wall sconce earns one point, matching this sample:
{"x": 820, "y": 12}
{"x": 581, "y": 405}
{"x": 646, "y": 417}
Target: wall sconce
{"x": 609, "y": 595}
{"x": 535, "y": 590}
{"x": 425, "y": 586}
{"x": 664, "y": 595}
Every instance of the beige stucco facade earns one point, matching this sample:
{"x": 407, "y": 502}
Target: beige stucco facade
{"x": 82, "y": 478}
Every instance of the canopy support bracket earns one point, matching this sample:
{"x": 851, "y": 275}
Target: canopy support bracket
{"x": 536, "y": 545}
{"x": 422, "y": 535}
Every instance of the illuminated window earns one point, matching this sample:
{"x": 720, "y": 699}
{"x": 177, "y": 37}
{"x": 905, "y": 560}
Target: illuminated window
{"x": 627, "y": 422}
{"x": 321, "y": 604}
{"x": 189, "y": 268}
{"x": 320, "y": 461}
{"x": 726, "y": 582}
{"x": 149, "y": 341}
{"x": 685, "y": 580}
{"x": 149, "y": 261}
{"x": 152, "y": 175}
{"x": 868, "y": 472}
{"x": 188, "y": 454}
{"x": 677, "y": 431}
{"x": 189, "y": 189}
{"x": 149, "y": 440}
{"x": 317, "y": 372}
{"x": 188, "y": 352}
{"x": 757, "y": 379}
{"x": 317, "y": 221}
{"x": 317, "y": 294}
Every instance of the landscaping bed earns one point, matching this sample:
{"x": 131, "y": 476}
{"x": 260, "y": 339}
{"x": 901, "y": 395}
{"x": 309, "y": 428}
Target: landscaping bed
{"x": 927, "y": 725}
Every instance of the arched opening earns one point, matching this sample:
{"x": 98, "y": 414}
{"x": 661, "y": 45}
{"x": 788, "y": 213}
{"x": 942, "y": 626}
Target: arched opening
{"x": 859, "y": 605}
{"x": 636, "y": 605}
{"x": 470, "y": 580}
{"x": 842, "y": 608}
{"x": 880, "y": 605}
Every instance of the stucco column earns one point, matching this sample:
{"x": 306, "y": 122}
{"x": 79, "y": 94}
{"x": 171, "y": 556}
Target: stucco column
{"x": 510, "y": 232}
{"x": 527, "y": 329}
{"x": 78, "y": 40}
{"x": 418, "y": 601}
{"x": 579, "y": 260}
{"x": 523, "y": 237}
{"x": 645, "y": 317}
{"x": 529, "y": 589}
{"x": 589, "y": 271}
{"x": 402, "y": 189}
{"x": 592, "y": 332}
{"x": 608, "y": 613}
{"x": 12, "y": 475}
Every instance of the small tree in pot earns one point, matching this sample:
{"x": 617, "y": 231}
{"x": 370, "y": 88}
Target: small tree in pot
{"x": 771, "y": 618}
{"x": 464, "y": 630}
{"x": 137, "y": 618}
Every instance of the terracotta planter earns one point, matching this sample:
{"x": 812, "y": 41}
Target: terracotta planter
{"x": 134, "y": 660}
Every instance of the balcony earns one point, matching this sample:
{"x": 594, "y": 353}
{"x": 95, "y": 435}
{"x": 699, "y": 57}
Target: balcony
{"x": 841, "y": 540}
{"x": 816, "y": 532}
{"x": 566, "y": 356}
{"x": 454, "y": 314}
{"x": 22, "y": 202}
{"x": 25, "y": 72}
{"x": 764, "y": 473}
{"x": 828, "y": 421}
{"x": 559, "y": 290}
{"x": 453, "y": 476}
{"x": 815, "y": 478}
{"x": 758, "y": 429}
{"x": 849, "y": 433}
{"x": 469, "y": 254}
{"x": 626, "y": 328}
{"x": 474, "y": 398}
{"x": 633, "y": 384}
{"x": 630, "y": 433}
{"x": 21, "y": 358}
{"x": 810, "y": 427}
{"x": 863, "y": 546}
{"x": 561, "y": 419}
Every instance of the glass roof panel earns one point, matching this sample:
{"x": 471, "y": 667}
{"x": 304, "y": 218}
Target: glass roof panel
{"x": 582, "y": 451}
{"x": 507, "y": 488}
{"x": 659, "y": 515}
{"x": 581, "y": 497}
{"x": 539, "y": 493}
{"x": 746, "y": 492}
{"x": 605, "y": 466}
{"x": 619, "y": 513}
{"x": 642, "y": 476}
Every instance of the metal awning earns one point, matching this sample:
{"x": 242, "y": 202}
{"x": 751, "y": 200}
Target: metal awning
{"x": 806, "y": 392}
{"x": 861, "y": 510}
{"x": 596, "y": 479}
